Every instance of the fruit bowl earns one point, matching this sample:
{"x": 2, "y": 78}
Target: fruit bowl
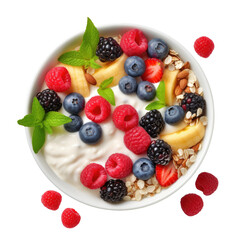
{"x": 90, "y": 197}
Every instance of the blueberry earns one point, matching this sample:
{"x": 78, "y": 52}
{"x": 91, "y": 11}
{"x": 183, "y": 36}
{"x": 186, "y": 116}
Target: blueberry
{"x": 90, "y": 132}
{"x": 157, "y": 48}
{"x": 143, "y": 169}
{"x": 127, "y": 85}
{"x": 134, "y": 66}
{"x": 174, "y": 114}
{"x": 74, "y": 103}
{"x": 75, "y": 124}
{"x": 146, "y": 91}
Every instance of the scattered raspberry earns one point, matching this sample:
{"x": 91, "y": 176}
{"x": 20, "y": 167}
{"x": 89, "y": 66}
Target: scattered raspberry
{"x": 134, "y": 43}
{"x": 51, "y": 199}
{"x": 58, "y": 79}
{"x": 191, "y": 204}
{"x": 93, "y": 176}
{"x": 207, "y": 183}
{"x": 137, "y": 140}
{"x": 119, "y": 165}
{"x": 125, "y": 117}
{"x": 97, "y": 109}
{"x": 70, "y": 218}
{"x": 204, "y": 46}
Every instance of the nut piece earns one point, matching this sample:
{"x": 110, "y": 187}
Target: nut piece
{"x": 90, "y": 79}
{"x": 183, "y": 83}
{"x": 178, "y": 90}
{"x": 186, "y": 65}
{"x": 187, "y": 90}
{"x": 183, "y": 74}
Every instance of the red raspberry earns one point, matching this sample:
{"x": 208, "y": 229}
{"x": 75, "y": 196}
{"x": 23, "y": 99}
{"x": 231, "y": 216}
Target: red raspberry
{"x": 93, "y": 176}
{"x": 70, "y": 218}
{"x": 134, "y": 43}
{"x": 125, "y": 117}
{"x": 97, "y": 109}
{"x": 137, "y": 140}
{"x": 204, "y": 46}
{"x": 58, "y": 79}
{"x": 191, "y": 204}
{"x": 207, "y": 183}
{"x": 51, "y": 199}
{"x": 119, "y": 165}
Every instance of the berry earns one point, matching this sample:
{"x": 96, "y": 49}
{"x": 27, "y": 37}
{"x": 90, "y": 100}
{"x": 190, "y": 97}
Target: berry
{"x": 143, "y": 169}
{"x": 204, "y": 46}
{"x": 125, "y": 117}
{"x": 146, "y": 91}
{"x": 192, "y": 101}
{"x": 90, "y": 133}
{"x": 152, "y": 122}
{"x": 108, "y": 49}
{"x": 157, "y": 48}
{"x": 51, "y": 199}
{"x": 97, "y": 109}
{"x": 49, "y": 100}
{"x": 166, "y": 175}
{"x": 137, "y": 140}
{"x": 134, "y": 66}
{"x": 113, "y": 190}
{"x": 74, "y": 103}
{"x": 70, "y": 218}
{"x": 58, "y": 79}
{"x": 119, "y": 165}
{"x": 207, "y": 183}
{"x": 127, "y": 85}
{"x": 75, "y": 124}
{"x": 174, "y": 114}
{"x": 93, "y": 176}
{"x": 154, "y": 70}
{"x": 134, "y": 42}
{"x": 160, "y": 152}
{"x": 191, "y": 204}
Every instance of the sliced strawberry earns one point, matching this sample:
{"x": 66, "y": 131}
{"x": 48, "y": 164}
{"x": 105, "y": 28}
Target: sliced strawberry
{"x": 166, "y": 175}
{"x": 154, "y": 70}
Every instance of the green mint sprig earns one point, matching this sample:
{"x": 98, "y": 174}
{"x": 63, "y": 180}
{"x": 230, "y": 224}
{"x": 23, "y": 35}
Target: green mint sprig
{"x": 86, "y": 55}
{"x": 106, "y": 92}
{"x": 160, "y": 94}
{"x": 42, "y": 123}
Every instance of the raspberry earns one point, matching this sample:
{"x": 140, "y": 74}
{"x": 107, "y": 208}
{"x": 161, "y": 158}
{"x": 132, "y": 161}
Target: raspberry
{"x": 191, "y": 204}
{"x": 204, "y": 46}
{"x": 70, "y": 218}
{"x": 97, "y": 109}
{"x": 134, "y": 43}
{"x": 51, "y": 199}
{"x": 125, "y": 117}
{"x": 137, "y": 140}
{"x": 93, "y": 176}
{"x": 58, "y": 79}
{"x": 119, "y": 165}
{"x": 207, "y": 183}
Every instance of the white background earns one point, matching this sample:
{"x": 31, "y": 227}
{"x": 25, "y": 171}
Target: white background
{"x": 30, "y": 31}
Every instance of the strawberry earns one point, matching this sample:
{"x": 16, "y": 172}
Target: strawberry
{"x": 154, "y": 70}
{"x": 166, "y": 175}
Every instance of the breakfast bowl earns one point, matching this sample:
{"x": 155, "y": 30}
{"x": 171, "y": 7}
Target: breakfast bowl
{"x": 89, "y": 196}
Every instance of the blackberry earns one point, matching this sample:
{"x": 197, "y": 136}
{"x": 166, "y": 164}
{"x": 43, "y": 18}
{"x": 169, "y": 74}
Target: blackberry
{"x": 192, "y": 101}
{"x": 49, "y": 100}
{"x": 113, "y": 190}
{"x": 108, "y": 49}
{"x": 159, "y": 152}
{"x": 152, "y": 122}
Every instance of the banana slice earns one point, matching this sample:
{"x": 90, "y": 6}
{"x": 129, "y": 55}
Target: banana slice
{"x": 185, "y": 138}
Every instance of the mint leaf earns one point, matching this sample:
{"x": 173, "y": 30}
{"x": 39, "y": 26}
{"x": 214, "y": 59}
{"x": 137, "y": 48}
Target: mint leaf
{"x": 47, "y": 127}
{"x": 72, "y": 58}
{"x": 86, "y": 51}
{"x": 108, "y": 94}
{"x": 37, "y": 110}
{"x": 93, "y": 64}
{"x": 106, "y": 82}
{"x": 38, "y": 138}
{"x": 160, "y": 92}
{"x": 27, "y": 121}
{"x": 55, "y": 119}
{"x": 155, "y": 105}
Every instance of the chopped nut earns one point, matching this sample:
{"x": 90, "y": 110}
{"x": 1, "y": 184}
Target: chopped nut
{"x": 187, "y": 90}
{"x": 131, "y": 178}
{"x": 178, "y": 64}
{"x": 178, "y": 90}
{"x": 193, "y": 158}
{"x": 140, "y": 184}
{"x": 188, "y": 115}
{"x": 204, "y": 120}
{"x": 171, "y": 67}
{"x": 180, "y": 152}
{"x": 199, "y": 112}
{"x": 183, "y": 74}
{"x": 151, "y": 188}
{"x": 173, "y": 52}
{"x": 138, "y": 195}
{"x": 193, "y": 89}
{"x": 183, "y": 83}
{"x": 168, "y": 60}
{"x": 149, "y": 181}
{"x": 183, "y": 171}
{"x": 186, "y": 65}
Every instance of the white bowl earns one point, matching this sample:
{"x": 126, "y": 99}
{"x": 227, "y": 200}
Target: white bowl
{"x": 91, "y": 197}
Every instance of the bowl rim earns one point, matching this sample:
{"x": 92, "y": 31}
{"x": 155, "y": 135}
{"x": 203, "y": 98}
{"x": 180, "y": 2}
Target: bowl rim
{"x": 60, "y": 184}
